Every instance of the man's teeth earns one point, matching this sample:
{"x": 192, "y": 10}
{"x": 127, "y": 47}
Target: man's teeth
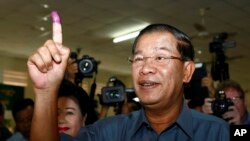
{"x": 147, "y": 84}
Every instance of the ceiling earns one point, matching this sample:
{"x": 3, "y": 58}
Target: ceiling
{"x": 90, "y": 25}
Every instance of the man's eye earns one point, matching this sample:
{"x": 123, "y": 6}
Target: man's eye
{"x": 69, "y": 113}
{"x": 160, "y": 58}
{"x": 138, "y": 59}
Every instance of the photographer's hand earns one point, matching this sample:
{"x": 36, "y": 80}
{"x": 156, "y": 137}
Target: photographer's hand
{"x": 71, "y": 70}
{"x": 207, "y": 106}
{"x": 232, "y": 116}
{"x": 104, "y": 111}
{"x": 125, "y": 106}
{"x": 209, "y": 83}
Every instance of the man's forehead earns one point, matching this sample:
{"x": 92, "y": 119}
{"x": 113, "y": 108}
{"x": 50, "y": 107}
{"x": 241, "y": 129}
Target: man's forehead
{"x": 155, "y": 50}
{"x": 162, "y": 41}
{"x": 230, "y": 91}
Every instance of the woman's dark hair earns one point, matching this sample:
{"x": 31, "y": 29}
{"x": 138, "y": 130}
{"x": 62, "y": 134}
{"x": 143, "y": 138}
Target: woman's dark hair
{"x": 68, "y": 89}
{"x": 184, "y": 45}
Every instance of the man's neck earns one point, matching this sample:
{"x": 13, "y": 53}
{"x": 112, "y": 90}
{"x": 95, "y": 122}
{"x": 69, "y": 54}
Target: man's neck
{"x": 162, "y": 118}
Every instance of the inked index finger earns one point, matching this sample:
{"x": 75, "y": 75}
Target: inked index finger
{"x": 56, "y": 28}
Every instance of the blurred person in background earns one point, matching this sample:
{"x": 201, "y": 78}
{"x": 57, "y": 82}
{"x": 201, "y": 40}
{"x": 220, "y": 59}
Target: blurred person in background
{"x": 73, "y": 107}
{"x": 237, "y": 111}
{"x": 4, "y": 131}
{"x": 125, "y": 107}
{"x": 22, "y": 112}
{"x": 71, "y": 70}
{"x": 70, "y": 75}
{"x": 200, "y": 87}
{"x": 116, "y": 87}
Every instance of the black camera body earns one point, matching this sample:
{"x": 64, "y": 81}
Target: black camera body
{"x": 86, "y": 66}
{"x": 131, "y": 95}
{"x": 112, "y": 95}
{"x": 221, "y": 104}
{"x": 220, "y": 43}
{"x": 220, "y": 69}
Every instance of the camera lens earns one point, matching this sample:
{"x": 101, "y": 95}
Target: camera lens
{"x": 113, "y": 94}
{"x": 220, "y": 107}
{"x": 85, "y": 66}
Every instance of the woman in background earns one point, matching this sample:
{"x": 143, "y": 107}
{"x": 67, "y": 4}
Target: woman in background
{"x": 73, "y": 106}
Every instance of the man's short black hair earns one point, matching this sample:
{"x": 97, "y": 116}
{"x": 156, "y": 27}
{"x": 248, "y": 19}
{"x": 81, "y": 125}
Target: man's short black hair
{"x": 184, "y": 45}
{"x": 68, "y": 89}
{"x": 21, "y": 104}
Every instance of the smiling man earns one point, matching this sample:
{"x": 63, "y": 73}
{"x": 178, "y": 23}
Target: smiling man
{"x": 162, "y": 63}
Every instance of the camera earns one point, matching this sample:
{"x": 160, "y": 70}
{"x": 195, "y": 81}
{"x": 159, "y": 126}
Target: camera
{"x": 87, "y": 65}
{"x": 113, "y": 93}
{"x": 131, "y": 95}
{"x": 220, "y": 69}
{"x": 221, "y": 104}
{"x": 219, "y": 43}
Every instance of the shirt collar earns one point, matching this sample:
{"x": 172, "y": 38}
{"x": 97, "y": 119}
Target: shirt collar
{"x": 181, "y": 121}
{"x": 142, "y": 120}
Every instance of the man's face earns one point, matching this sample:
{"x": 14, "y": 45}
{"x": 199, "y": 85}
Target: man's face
{"x": 23, "y": 121}
{"x": 157, "y": 83}
{"x": 234, "y": 95}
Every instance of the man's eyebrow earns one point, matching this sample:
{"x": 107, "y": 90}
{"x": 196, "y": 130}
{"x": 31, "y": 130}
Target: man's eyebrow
{"x": 70, "y": 108}
{"x": 161, "y": 48}
{"x": 137, "y": 52}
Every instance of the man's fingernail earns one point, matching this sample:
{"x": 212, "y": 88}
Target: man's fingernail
{"x": 57, "y": 58}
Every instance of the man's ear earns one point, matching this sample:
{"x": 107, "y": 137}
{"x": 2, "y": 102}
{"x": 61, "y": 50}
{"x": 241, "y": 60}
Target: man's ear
{"x": 189, "y": 68}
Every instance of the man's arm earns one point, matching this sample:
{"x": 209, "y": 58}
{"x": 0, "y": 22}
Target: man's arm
{"x": 44, "y": 122}
{"x": 46, "y": 69}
